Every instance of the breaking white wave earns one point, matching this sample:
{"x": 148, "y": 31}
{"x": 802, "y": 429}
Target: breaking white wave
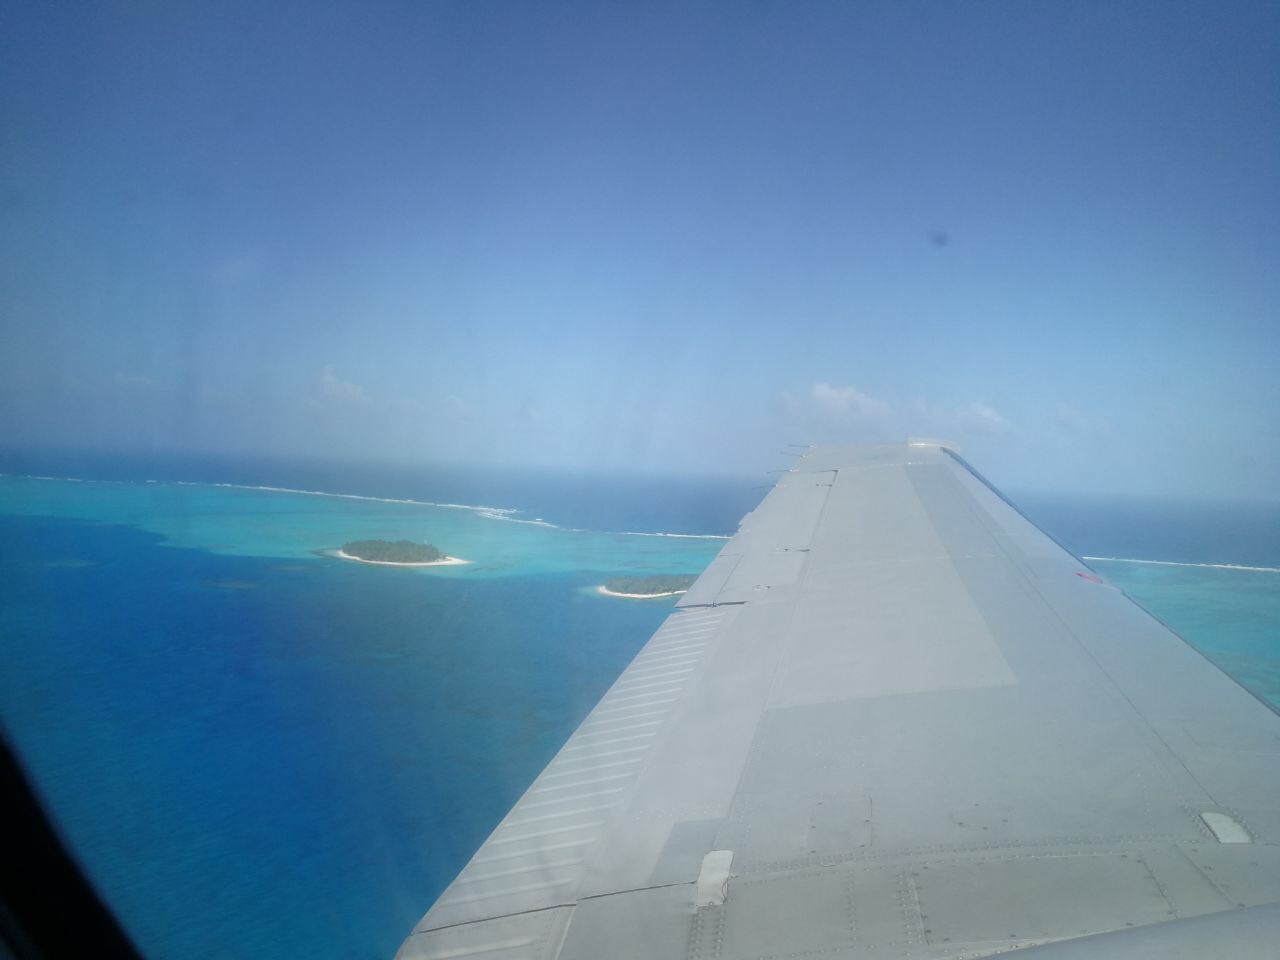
{"x": 506, "y": 514}
{"x": 496, "y": 513}
{"x": 1177, "y": 563}
{"x": 680, "y": 536}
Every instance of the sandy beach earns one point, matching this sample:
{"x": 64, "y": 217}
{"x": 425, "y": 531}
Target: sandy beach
{"x": 446, "y": 562}
{"x": 637, "y": 596}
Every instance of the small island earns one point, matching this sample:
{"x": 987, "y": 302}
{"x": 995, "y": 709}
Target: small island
{"x": 646, "y": 588}
{"x": 397, "y": 553}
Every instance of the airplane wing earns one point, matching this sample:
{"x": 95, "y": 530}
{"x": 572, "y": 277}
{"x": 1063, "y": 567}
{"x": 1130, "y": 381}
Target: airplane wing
{"x": 892, "y": 719}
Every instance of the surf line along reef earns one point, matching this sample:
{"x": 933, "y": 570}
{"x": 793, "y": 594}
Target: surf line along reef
{"x": 646, "y": 588}
{"x": 397, "y": 553}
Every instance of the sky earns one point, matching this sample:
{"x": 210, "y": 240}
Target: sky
{"x": 648, "y": 236}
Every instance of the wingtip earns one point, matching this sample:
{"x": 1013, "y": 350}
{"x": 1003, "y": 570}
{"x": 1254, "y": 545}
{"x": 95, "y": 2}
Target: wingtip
{"x": 931, "y": 442}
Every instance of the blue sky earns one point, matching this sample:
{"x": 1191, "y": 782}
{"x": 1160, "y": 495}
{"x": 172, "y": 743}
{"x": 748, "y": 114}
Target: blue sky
{"x": 649, "y": 236}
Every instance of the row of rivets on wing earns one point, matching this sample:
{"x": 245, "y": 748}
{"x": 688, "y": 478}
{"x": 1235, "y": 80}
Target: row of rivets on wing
{"x": 526, "y": 936}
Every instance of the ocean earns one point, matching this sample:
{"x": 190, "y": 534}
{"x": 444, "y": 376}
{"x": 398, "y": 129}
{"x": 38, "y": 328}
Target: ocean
{"x": 258, "y": 750}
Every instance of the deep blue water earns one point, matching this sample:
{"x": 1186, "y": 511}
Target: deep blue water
{"x": 1177, "y": 530}
{"x": 260, "y": 759}
{"x": 260, "y": 756}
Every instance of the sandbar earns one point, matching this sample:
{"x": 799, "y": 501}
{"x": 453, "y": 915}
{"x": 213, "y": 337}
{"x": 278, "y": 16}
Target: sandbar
{"x": 446, "y": 562}
{"x": 605, "y": 591}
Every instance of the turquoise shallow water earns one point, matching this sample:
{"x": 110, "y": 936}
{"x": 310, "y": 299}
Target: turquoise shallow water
{"x": 1231, "y": 616}
{"x": 260, "y": 751}
{"x": 239, "y": 521}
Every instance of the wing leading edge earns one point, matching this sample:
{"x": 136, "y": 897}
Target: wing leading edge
{"x": 891, "y": 719}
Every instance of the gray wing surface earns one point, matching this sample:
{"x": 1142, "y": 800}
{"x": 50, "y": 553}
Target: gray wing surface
{"x": 892, "y": 719}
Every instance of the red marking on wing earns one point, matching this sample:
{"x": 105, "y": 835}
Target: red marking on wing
{"x": 1091, "y": 577}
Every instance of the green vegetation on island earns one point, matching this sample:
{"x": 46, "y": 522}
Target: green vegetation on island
{"x": 388, "y": 551}
{"x": 651, "y": 586}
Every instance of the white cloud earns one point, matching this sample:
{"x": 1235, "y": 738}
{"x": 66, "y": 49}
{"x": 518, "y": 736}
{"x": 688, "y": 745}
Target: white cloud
{"x": 457, "y": 407}
{"x": 1074, "y": 422}
{"x": 980, "y": 417}
{"x": 827, "y": 413}
{"x": 330, "y": 388}
{"x": 843, "y": 403}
